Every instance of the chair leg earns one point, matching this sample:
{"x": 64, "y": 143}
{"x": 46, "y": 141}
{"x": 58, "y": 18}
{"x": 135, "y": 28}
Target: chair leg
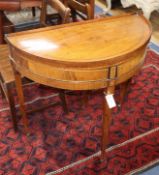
{"x": 18, "y": 83}
{"x": 33, "y": 11}
{"x": 12, "y": 106}
{"x": 1, "y": 27}
{"x": 2, "y": 92}
{"x": 73, "y": 14}
{"x": 63, "y": 99}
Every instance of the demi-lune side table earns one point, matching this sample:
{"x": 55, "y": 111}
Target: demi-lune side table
{"x": 89, "y": 55}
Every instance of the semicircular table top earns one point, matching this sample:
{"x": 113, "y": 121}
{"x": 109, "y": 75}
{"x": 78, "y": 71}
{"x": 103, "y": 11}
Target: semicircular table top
{"x": 94, "y": 41}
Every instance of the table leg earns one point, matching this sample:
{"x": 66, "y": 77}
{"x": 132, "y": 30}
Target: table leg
{"x": 105, "y": 125}
{"x": 63, "y": 99}
{"x": 123, "y": 90}
{"x": 18, "y": 83}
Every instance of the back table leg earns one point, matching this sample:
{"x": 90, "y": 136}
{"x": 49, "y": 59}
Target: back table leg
{"x": 123, "y": 90}
{"x": 63, "y": 100}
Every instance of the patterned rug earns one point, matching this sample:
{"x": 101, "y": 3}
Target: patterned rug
{"x": 70, "y": 144}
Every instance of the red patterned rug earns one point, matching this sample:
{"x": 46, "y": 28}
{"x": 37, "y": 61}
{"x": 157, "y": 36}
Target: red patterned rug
{"x": 70, "y": 144}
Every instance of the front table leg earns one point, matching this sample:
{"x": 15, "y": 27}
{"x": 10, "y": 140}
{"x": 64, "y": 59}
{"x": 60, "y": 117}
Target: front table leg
{"x": 18, "y": 83}
{"x": 105, "y": 125}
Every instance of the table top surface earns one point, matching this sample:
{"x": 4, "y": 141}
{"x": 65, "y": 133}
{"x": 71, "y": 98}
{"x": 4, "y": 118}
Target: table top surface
{"x": 85, "y": 42}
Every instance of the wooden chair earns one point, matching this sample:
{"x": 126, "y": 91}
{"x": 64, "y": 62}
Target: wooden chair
{"x": 62, "y": 15}
{"x": 81, "y": 8}
{"x": 7, "y": 79}
{"x": 7, "y": 83}
{"x": 14, "y": 5}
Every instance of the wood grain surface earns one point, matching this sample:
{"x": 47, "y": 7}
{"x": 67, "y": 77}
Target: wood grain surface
{"x": 83, "y": 55}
